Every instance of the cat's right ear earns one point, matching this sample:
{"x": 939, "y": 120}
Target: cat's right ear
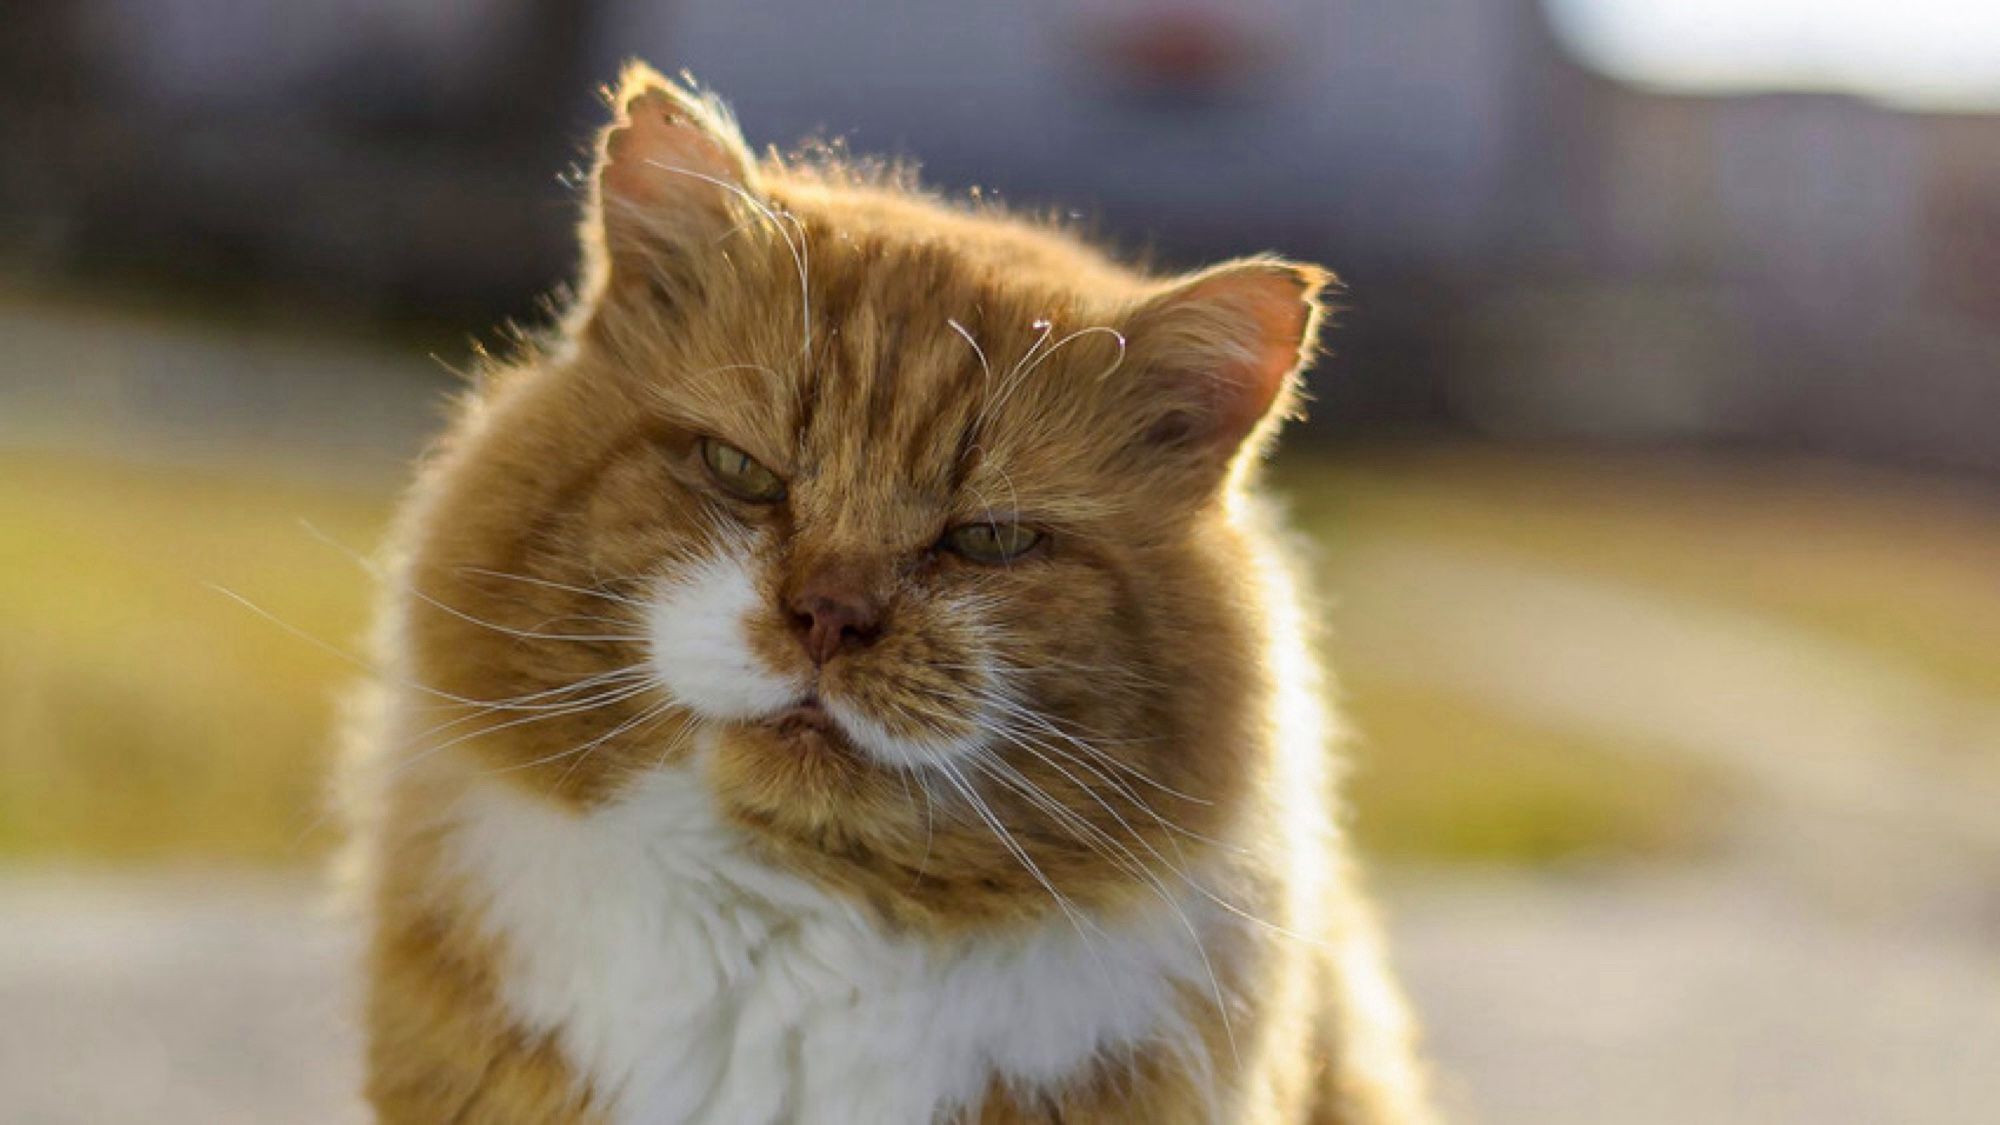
{"x": 672, "y": 175}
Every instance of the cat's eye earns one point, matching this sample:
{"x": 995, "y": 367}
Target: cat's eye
{"x": 992, "y": 541}
{"x": 740, "y": 474}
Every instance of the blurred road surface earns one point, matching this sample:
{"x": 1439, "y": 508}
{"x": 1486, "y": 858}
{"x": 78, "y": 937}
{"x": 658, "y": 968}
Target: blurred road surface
{"x": 1615, "y": 998}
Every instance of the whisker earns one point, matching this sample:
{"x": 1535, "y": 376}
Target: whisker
{"x": 514, "y": 767}
{"x": 342, "y": 654}
{"x": 985, "y": 813}
{"x": 993, "y": 702}
{"x": 1069, "y": 818}
{"x": 686, "y": 734}
{"x": 930, "y": 828}
{"x": 1176, "y": 830}
{"x": 1009, "y": 381}
{"x": 547, "y": 699}
{"x": 363, "y": 561}
{"x": 657, "y": 713}
{"x": 552, "y": 711}
{"x": 584, "y": 590}
{"x": 524, "y": 634}
{"x": 799, "y": 253}
{"x": 654, "y": 712}
{"x": 1020, "y": 739}
{"x": 986, "y": 369}
{"x": 1078, "y": 334}
{"x": 1014, "y": 710}
{"x": 375, "y": 570}
{"x": 618, "y": 695}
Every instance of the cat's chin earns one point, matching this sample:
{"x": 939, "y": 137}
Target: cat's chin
{"x": 794, "y": 765}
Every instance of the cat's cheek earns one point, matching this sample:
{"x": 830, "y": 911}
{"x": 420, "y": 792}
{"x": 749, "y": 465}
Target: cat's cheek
{"x": 697, "y": 628}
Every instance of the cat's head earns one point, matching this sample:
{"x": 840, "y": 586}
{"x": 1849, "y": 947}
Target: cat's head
{"x": 910, "y": 530}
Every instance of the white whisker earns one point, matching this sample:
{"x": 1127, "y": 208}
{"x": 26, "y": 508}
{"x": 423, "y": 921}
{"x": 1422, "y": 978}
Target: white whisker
{"x": 584, "y": 590}
{"x": 799, "y": 249}
{"x": 986, "y": 369}
{"x": 985, "y": 813}
{"x": 656, "y": 711}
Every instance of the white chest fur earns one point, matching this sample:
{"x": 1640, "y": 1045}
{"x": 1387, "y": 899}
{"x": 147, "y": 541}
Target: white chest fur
{"x": 689, "y": 983}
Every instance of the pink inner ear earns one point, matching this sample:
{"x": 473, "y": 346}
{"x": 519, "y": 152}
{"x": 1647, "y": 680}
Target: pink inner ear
{"x": 661, "y": 155}
{"x": 1271, "y": 313}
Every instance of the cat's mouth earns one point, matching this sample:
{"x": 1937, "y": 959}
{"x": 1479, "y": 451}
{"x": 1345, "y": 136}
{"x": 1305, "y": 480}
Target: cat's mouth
{"x": 813, "y": 722}
{"x": 807, "y": 714}
{"x": 806, "y": 724}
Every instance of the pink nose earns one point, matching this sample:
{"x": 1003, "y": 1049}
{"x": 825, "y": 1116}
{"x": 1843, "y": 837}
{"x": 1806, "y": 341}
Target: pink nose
{"x": 833, "y": 612}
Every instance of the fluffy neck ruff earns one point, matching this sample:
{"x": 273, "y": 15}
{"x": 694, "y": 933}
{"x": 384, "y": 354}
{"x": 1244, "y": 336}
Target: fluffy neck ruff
{"x": 685, "y": 980}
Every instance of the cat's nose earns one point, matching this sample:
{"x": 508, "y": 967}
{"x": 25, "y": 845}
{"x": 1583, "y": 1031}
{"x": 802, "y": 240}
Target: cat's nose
{"x": 831, "y": 612}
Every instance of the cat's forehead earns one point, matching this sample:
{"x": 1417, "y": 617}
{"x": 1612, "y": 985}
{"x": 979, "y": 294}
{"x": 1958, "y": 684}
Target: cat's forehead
{"x": 917, "y": 352}
{"x": 919, "y": 372}
{"x": 890, "y": 411}
{"x": 935, "y": 294}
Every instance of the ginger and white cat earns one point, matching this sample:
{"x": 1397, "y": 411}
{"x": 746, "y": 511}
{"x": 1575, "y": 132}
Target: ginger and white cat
{"x": 846, "y": 675}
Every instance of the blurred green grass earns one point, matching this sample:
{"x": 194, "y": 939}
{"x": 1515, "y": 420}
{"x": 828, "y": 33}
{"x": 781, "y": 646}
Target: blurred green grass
{"x": 1904, "y": 569}
{"x": 145, "y": 715}
{"x": 1436, "y": 775}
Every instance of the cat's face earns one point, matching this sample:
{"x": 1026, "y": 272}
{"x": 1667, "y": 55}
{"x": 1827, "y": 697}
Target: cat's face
{"x": 905, "y": 532}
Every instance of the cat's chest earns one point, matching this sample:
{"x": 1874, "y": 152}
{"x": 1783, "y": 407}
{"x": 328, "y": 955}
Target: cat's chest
{"x": 686, "y": 982}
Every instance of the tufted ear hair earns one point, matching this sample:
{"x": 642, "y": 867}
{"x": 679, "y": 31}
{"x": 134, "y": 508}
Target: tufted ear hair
{"x": 1220, "y": 352}
{"x": 672, "y": 174}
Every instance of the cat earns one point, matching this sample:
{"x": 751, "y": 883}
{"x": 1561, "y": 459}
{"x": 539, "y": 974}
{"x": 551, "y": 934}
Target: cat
{"x": 844, "y": 673}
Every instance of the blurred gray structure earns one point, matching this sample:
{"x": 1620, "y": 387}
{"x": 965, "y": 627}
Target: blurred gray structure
{"x": 1532, "y": 249}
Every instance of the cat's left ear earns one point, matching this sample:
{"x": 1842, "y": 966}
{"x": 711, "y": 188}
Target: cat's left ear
{"x": 672, "y": 173}
{"x": 1221, "y": 351}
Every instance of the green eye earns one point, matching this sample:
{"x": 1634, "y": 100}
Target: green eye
{"x": 992, "y": 542}
{"x": 740, "y": 474}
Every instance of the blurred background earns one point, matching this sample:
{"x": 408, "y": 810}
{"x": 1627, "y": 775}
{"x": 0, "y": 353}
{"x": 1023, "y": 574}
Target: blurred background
{"x": 1654, "y": 482}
